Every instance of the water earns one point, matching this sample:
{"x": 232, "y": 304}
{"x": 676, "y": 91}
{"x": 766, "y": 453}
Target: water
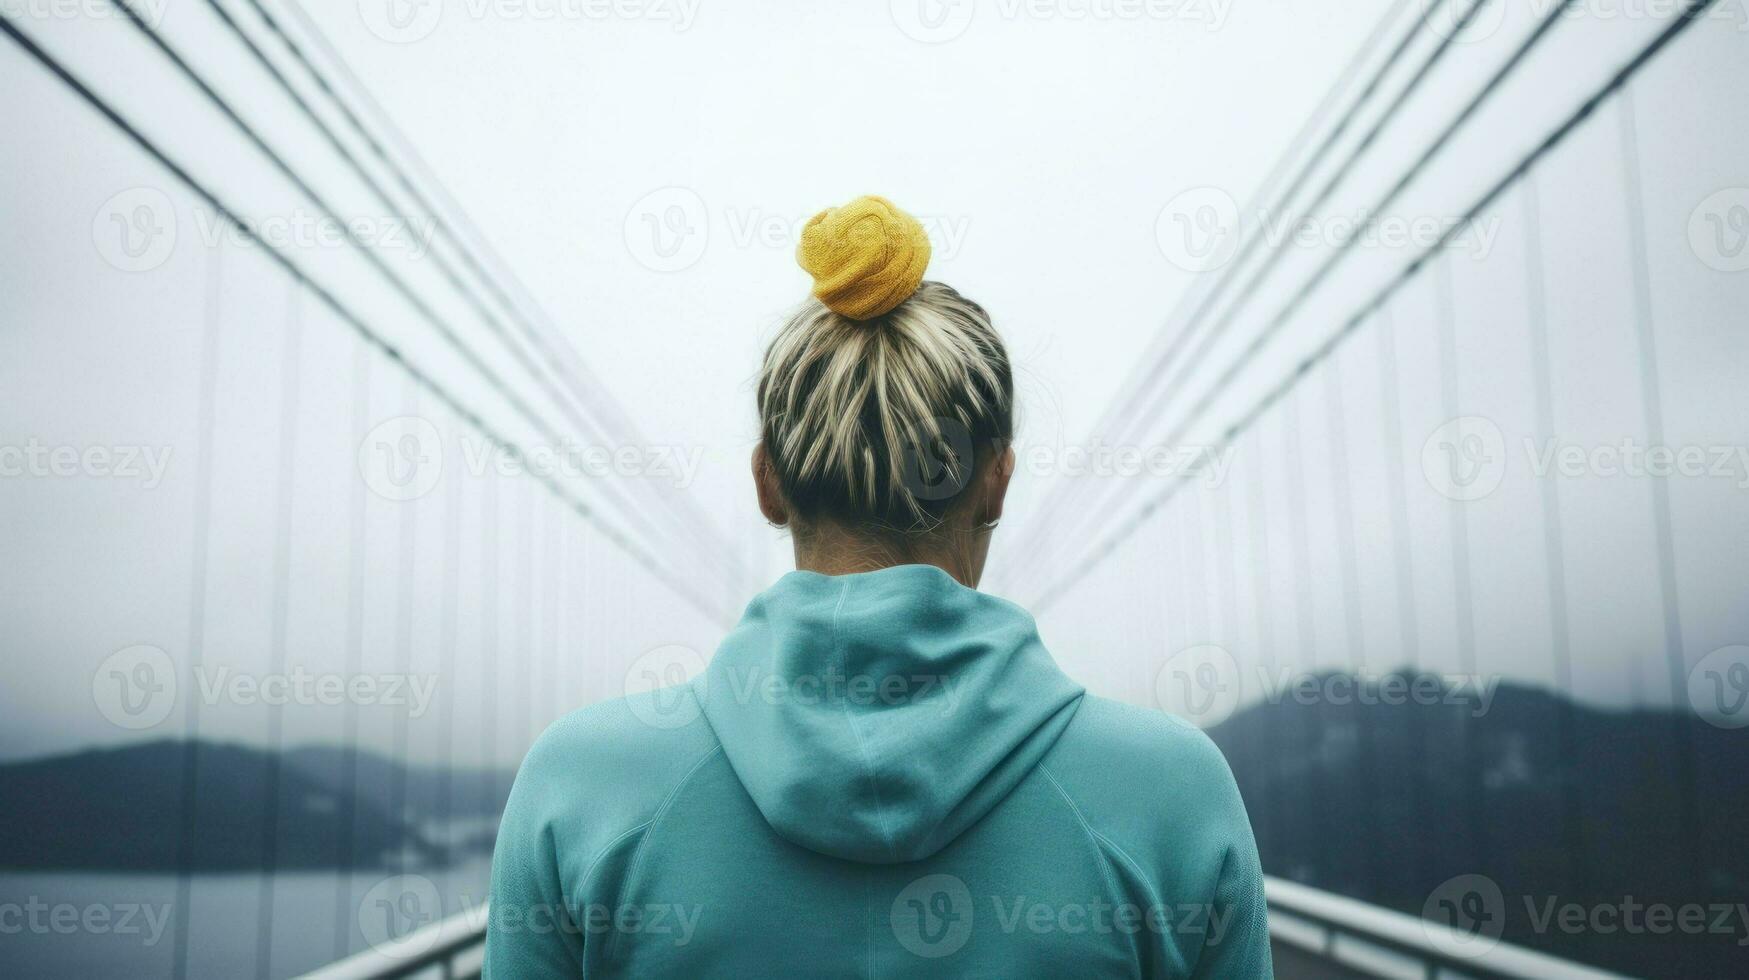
{"x": 96, "y": 925}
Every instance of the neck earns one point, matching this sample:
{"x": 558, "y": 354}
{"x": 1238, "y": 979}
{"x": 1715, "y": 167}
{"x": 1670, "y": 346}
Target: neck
{"x": 835, "y": 551}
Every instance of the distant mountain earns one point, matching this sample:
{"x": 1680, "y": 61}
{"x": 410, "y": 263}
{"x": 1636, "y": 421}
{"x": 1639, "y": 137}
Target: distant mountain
{"x": 1555, "y": 802}
{"x": 121, "y": 809}
{"x": 426, "y": 793}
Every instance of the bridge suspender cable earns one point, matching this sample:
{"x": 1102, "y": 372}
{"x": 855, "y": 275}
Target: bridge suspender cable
{"x": 459, "y": 229}
{"x": 1165, "y": 389}
{"x": 1121, "y": 413}
{"x": 720, "y": 556}
{"x": 522, "y": 407}
{"x": 190, "y": 761}
{"x": 1681, "y": 22}
{"x": 1117, "y": 407}
{"x": 449, "y": 400}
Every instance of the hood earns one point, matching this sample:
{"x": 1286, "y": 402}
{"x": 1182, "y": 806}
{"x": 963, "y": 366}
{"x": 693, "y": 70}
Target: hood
{"x": 875, "y": 717}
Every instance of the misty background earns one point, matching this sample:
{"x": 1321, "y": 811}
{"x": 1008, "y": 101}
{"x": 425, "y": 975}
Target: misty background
{"x": 570, "y": 230}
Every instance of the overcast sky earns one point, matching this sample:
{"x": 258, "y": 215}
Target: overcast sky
{"x": 646, "y": 175}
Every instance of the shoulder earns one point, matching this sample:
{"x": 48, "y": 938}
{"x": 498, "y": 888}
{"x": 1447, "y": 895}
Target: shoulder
{"x": 636, "y": 735}
{"x": 605, "y": 769}
{"x": 1153, "y": 745}
{"x": 1150, "y": 783}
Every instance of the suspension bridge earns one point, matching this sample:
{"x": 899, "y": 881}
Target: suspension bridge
{"x": 1359, "y": 507}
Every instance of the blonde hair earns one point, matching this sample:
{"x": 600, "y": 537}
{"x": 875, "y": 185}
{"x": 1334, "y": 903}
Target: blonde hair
{"x": 881, "y": 423}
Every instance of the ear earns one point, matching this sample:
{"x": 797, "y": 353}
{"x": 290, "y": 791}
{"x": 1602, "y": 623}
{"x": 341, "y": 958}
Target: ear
{"x": 765, "y": 484}
{"x": 996, "y": 486}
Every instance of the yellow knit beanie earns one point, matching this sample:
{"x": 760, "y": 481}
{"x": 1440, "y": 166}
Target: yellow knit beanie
{"x": 866, "y": 257}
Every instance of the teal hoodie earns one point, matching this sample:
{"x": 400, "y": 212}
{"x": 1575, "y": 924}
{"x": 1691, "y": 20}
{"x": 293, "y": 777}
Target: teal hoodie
{"x": 878, "y": 775}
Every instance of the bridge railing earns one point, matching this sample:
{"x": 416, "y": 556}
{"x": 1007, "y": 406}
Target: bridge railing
{"x": 453, "y": 949}
{"x": 1358, "y": 936}
{"x": 1380, "y": 942}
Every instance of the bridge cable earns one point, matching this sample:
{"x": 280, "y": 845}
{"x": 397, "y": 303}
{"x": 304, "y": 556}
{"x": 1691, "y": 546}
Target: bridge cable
{"x": 357, "y": 559}
{"x": 1652, "y": 400}
{"x": 1403, "y": 559}
{"x": 1554, "y": 543}
{"x": 1275, "y": 176}
{"x": 1193, "y": 318}
{"x": 1348, "y": 567}
{"x": 205, "y": 424}
{"x": 1166, "y": 389}
{"x": 340, "y": 309}
{"x": 448, "y": 271}
{"x": 549, "y": 344}
{"x": 1462, "y": 576}
{"x": 445, "y": 269}
{"x": 1679, "y": 23}
{"x": 291, "y": 384}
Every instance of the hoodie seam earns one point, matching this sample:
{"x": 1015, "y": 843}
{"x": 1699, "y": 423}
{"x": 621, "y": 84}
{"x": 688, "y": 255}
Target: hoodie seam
{"x": 1214, "y": 899}
{"x": 602, "y": 854}
{"x": 867, "y": 771}
{"x": 850, "y": 723}
{"x": 1100, "y": 842}
{"x": 638, "y": 854}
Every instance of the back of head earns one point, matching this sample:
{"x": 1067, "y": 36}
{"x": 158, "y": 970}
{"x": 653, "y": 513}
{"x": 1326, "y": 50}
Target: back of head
{"x": 883, "y": 397}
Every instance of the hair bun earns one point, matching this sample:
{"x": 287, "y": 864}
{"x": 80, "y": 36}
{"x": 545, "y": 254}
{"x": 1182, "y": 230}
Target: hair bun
{"x": 866, "y": 257}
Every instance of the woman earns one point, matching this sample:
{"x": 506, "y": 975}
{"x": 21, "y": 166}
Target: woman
{"x": 882, "y": 773}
